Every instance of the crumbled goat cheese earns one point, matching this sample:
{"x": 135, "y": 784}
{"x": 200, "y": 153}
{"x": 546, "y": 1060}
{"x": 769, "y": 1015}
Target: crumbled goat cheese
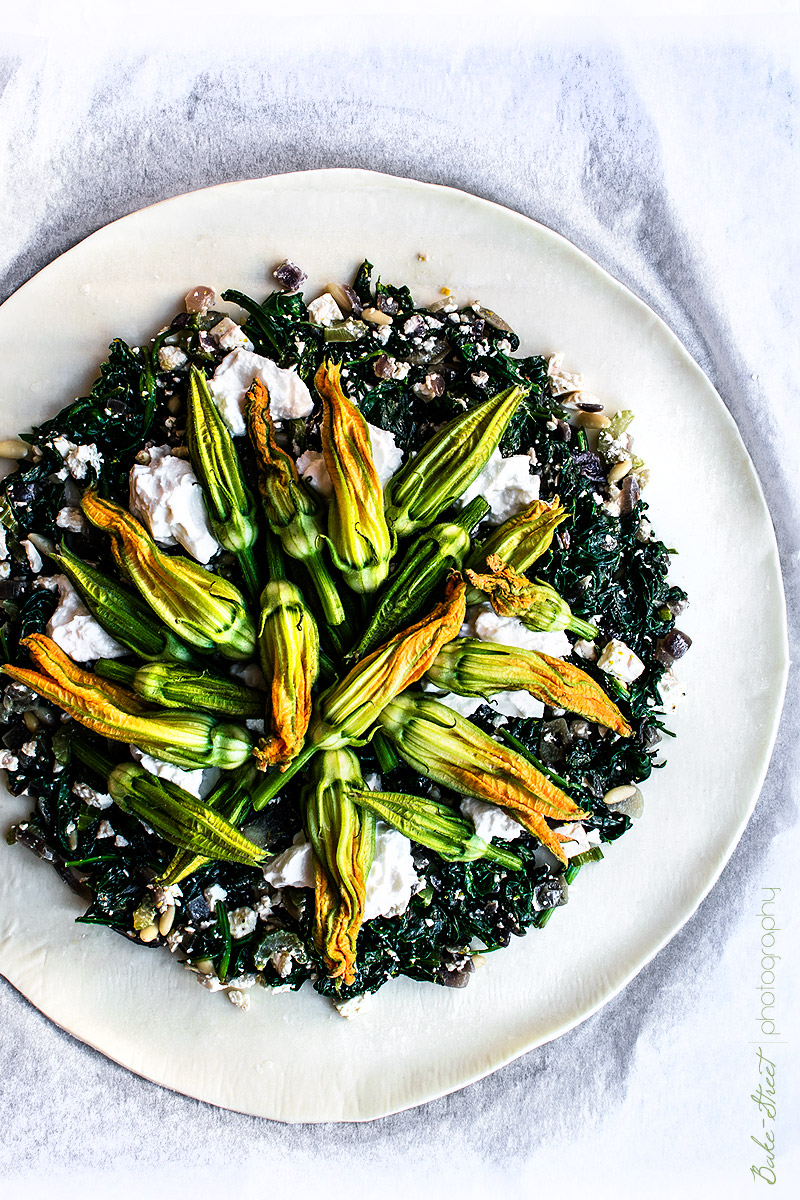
{"x": 484, "y": 623}
{"x": 89, "y": 796}
{"x": 386, "y": 455}
{"x": 78, "y": 459}
{"x": 293, "y": 868}
{"x": 465, "y": 705}
{"x": 578, "y": 839}
{"x": 5, "y": 570}
{"x": 119, "y": 840}
{"x": 171, "y": 357}
{"x": 243, "y": 982}
{"x": 165, "y": 897}
{"x": 311, "y": 467}
{"x": 491, "y": 821}
{"x": 8, "y": 762}
{"x": 395, "y": 369}
{"x": 585, "y": 649}
{"x": 166, "y": 496}
{"x": 480, "y": 378}
{"x": 324, "y": 310}
{"x": 671, "y": 690}
{"x": 517, "y": 704}
{"x": 506, "y": 484}
{"x": 373, "y": 781}
{"x": 71, "y": 518}
{"x": 391, "y": 882}
{"x": 250, "y": 675}
{"x": 239, "y": 998}
{"x": 392, "y": 879}
{"x": 242, "y": 922}
{"x": 105, "y": 830}
{"x": 382, "y": 334}
{"x": 263, "y": 906}
{"x": 3, "y": 546}
{"x": 74, "y": 629}
{"x": 618, "y": 660}
{"x": 198, "y": 783}
{"x": 211, "y": 982}
{"x": 33, "y": 556}
{"x": 354, "y": 1006}
{"x": 214, "y": 894}
{"x": 28, "y": 749}
{"x": 288, "y": 395}
{"x": 562, "y": 381}
{"x": 230, "y": 336}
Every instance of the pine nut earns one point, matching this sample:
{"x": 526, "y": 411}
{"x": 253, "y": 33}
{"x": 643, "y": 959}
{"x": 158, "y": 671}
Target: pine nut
{"x": 619, "y": 470}
{"x": 592, "y": 420}
{"x": 31, "y": 720}
{"x": 376, "y": 317}
{"x": 165, "y": 922}
{"x": 341, "y": 297}
{"x": 72, "y": 839}
{"x": 618, "y": 794}
{"x": 149, "y": 933}
{"x": 14, "y": 448}
{"x": 204, "y": 965}
{"x": 174, "y": 404}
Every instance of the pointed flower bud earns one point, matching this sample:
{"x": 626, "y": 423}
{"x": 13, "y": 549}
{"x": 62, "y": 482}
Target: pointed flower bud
{"x": 183, "y": 687}
{"x": 359, "y": 538}
{"x": 292, "y": 513}
{"x": 537, "y": 605}
{"x": 433, "y": 825}
{"x": 425, "y": 566}
{"x": 231, "y": 799}
{"x": 206, "y": 611}
{"x": 180, "y": 818}
{"x": 188, "y": 739}
{"x": 288, "y": 646}
{"x": 231, "y": 507}
{"x": 452, "y": 751}
{"x": 448, "y": 463}
{"x": 520, "y": 540}
{"x": 470, "y": 667}
{"x": 121, "y": 612}
{"x": 342, "y": 837}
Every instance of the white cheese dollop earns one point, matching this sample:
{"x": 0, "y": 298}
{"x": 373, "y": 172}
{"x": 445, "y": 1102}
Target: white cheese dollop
{"x": 484, "y": 623}
{"x": 506, "y": 484}
{"x": 288, "y": 395}
{"x": 78, "y": 459}
{"x": 392, "y": 879}
{"x": 354, "y": 1006}
{"x": 74, "y": 629}
{"x": 618, "y": 660}
{"x": 391, "y": 882}
{"x": 491, "y": 821}
{"x": 579, "y": 839}
{"x": 198, "y": 783}
{"x": 506, "y": 704}
{"x": 167, "y": 497}
{"x": 386, "y": 455}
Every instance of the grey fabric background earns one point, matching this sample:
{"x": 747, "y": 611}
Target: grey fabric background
{"x": 672, "y": 160}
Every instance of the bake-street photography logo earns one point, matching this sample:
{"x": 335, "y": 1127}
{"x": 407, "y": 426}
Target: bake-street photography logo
{"x": 765, "y": 1095}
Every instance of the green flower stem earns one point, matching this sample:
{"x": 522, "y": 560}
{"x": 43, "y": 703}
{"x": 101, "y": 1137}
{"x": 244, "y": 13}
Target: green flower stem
{"x": 522, "y": 750}
{"x": 117, "y": 672}
{"x": 273, "y": 782}
{"x": 227, "y": 943}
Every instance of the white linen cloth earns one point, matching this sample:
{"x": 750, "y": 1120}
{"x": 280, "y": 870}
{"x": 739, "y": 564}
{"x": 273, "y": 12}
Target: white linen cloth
{"x": 667, "y": 153}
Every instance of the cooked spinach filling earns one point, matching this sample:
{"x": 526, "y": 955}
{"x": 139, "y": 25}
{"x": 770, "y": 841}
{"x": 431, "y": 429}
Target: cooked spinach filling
{"x": 408, "y": 377}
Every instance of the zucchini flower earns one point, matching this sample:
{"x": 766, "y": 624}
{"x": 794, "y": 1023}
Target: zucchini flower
{"x": 180, "y": 818}
{"x": 231, "y": 507}
{"x": 448, "y": 463}
{"x": 288, "y": 645}
{"x": 470, "y": 667}
{"x": 433, "y": 825}
{"x": 343, "y": 840}
{"x": 121, "y": 612}
{"x": 537, "y": 605}
{"x": 520, "y": 540}
{"x": 453, "y": 752}
{"x": 188, "y": 739}
{"x": 346, "y": 713}
{"x": 231, "y": 799}
{"x": 185, "y": 687}
{"x": 428, "y": 561}
{"x": 292, "y": 513}
{"x": 359, "y": 538}
{"x": 205, "y": 610}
